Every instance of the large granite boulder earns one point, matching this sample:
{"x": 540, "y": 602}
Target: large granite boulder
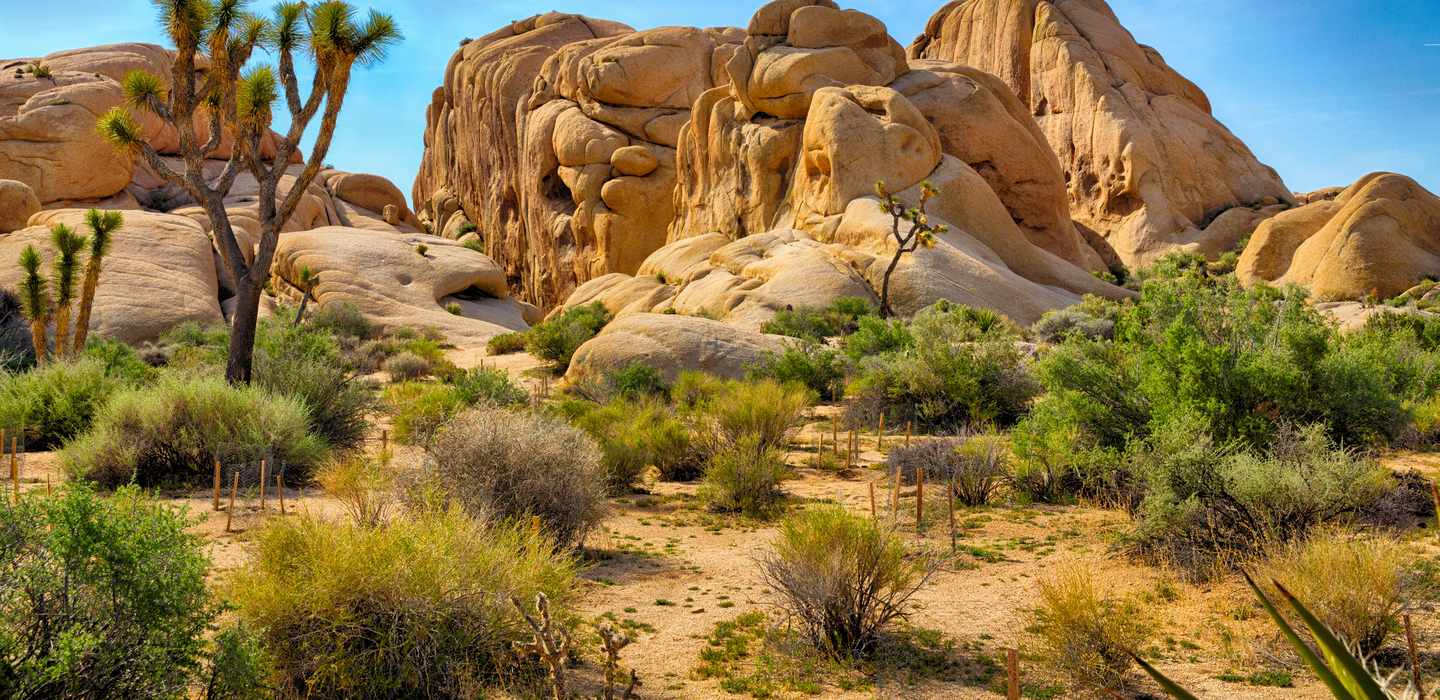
{"x": 672, "y": 343}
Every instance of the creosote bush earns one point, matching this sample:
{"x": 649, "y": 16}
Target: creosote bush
{"x": 635, "y": 435}
{"x": 819, "y": 368}
{"x": 636, "y": 380}
{"x": 1086, "y": 634}
{"x": 170, "y": 432}
{"x": 744, "y": 477}
{"x": 417, "y": 607}
{"x": 818, "y": 323}
{"x": 340, "y": 319}
{"x": 102, "y": 597}
{"x": 765, "y": 409}
{"x": 513, "y": 464}
{"x": 406, "y": 366}
{"x": 57, "y": 401}
{"x": 556, "y": 339}
{"x": 843, "y": 578}
{"x": 505, "y": 343}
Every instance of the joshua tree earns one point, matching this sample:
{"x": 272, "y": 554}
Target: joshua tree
{"x": 64, "y": 266}
{"x": 34, "y": 300}
{"x": 921, "y": 233}
{"x": 305, "y": 280}
{"x": 102, "y": 225}
{"x": 240, "y": 104}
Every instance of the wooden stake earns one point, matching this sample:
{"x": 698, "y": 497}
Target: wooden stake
{"x": 908, "y": 426}
{"x": 873, "y": 515}
{"x": 835, "y": 433}
{"x": 1414, "y": 658}
{"x": 880, "y": 439}
{"x": 48, "y": 492}
{"x": 1012, "y": 674}
{"x": 215, "y": 502}
{"x": 850, "y": 456}
{"x": 919, "y": 500}
{"x": 14, "y": 468}
{"x": 384, "y": 440}
{"x": 950, "y": 506}
{"x": 262, "y": 483}
{"x": 535, "y": 526}
{"x": 230, "y": 512}
{"x": 280, "y": 486}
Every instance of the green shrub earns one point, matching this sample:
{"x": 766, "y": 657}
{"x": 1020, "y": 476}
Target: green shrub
{"x": 102, "y": 597}
{"x": 56, "y": 402}
{"x": 239, "y": 667}
{"x": 875, "y": 335}
{"x": 406, "y": 366}
{"x": 765, "y": 409}
{"x": 1093, "y": 318}
{"x": 975, "y": 467}
{"x": 636, "y": 380}
{"x": 635, "y": 435}
{"x": 1206, "y": 506}
{"x": 364, "y": 484}
{"x": 418, "y": 607}
{"x": 1087, "y": 635}
{"x": 818, "y": 323}
{"x": 420, "y": 409}
{"x": 819, "y": 368}
{"x": 490, "y": 386}
{"x": 843, "y": 578}
{"x": 171, "y": 432}
{"x": 514, "y": 464}
{"x": 693, "y": 389}
{"x": 506, "y": 343}
{"x": 744, "y": 477}
{"x": 340, "y": 319}
{"x": 556, "y": 339}
{"x": 307, "y": 366}
{"x": 1056, "y": 461}
{"x": 965, "y": 369}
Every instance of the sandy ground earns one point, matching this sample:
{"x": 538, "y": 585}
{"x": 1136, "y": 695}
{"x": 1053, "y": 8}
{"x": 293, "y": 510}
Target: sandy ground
{"x": 674, "y": 571}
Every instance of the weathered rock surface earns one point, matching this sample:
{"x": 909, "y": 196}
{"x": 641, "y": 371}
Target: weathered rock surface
{"x": 1147, "y": 164}
{"x": 672, "y": 343}
{"x": 385, "y": 275}
{"x": 17, "y": 204}
{"x": 1379, "y": 237}
{"x": 159, "y": 272}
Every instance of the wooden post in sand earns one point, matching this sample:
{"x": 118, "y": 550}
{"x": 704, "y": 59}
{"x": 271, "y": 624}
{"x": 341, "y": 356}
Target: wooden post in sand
{"x": 215, "y": 502}
{"x": 262, "y": 483}
{"x": 1415, "y": 678}
{"x": 835, "y": 433}
{"x": 873, "y": 515}
{"x": 280, "y": 487}
{"x": 230, "y": 512}
{"x": 384, "y": 440}
{"x": 850, "y": 457}
{"x": 908, "y": 426}
{"x": 919, "y": 501}
{"x": 1012, "y": 674}
{"x": 880, "y": 439}
{"x": 950, "y": 506}
{"x": 895, "y": 498}
{"x": 1435, "y": 492}
{"x": 15, "y": 468}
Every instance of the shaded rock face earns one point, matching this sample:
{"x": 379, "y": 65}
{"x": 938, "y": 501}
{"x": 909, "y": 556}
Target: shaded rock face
{"x": 671, "y": 344}
{"x": 1378, "y": 237}
{"x": 1145, "y": 163}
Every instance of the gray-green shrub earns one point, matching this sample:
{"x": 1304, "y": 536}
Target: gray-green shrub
{"x": 556, "y": 339}
{"x": 817, "y": 367}
{"x": 58, "y": 401}
{"x": 406, "y": 366}
{"x": 744, "y": 477}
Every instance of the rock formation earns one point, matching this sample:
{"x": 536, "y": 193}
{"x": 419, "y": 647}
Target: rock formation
{"x": 1147, "y": 165}
{"x": 672, "y": 343}
{"x": 1376, "y": 239}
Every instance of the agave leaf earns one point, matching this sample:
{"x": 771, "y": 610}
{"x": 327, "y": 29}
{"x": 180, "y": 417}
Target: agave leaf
{"x": 1170, "y": 687}
{"x": 1350, "y": 670}
{"x": 1328, "y": 677}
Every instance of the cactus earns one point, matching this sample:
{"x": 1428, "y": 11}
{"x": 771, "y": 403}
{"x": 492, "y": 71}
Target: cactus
{"x": 551, "y": 643}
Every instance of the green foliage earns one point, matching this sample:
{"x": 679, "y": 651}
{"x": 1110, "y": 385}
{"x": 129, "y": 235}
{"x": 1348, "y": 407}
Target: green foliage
{"x": 556, "y": 339}
{"x": 453, "y": 308}
{"x": 636, "y": 380}
{"x": 417, "y": 607}
{"x": 1092, "y": 318}
{"x": 842, "y": 578}
{"x": 1089, "y": 636}
{"x": 506, "y": 343}
{"x": 66, "y": 264}
{"x": 489, "y": 386}
{"x": 819, "y": 368}
{"x": 306, "y": 365}
{"x": 101, "y": 597}
{"x": 141, "y": 87}
{"x": 406, "y": 366}
{"x": 874, "y": 335}
{"x": 421, "y": 249}
{"x": 119, "y": 127}
{"x": 170, "y": 432}
{"x": 637, "y": 434}
{"x": 499, "y": 463}
{"x": 744, "y": 477}
{"x": 765, "y": 410}
{"x": 341, "y": 319}
{"x": 58, "y": 401}
{"x": 34, "y": 292}
{"x": 256, "y": 91}
{"x": 41, "y": 71}
{"x": 840, "y": 317}
{"x": 420, "y": 409}
{"x": 964, "y": 369}
{"x": 239, "y": 668}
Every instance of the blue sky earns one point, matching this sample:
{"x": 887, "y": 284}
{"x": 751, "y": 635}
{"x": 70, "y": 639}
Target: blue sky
{"x": 1323, "y": 90}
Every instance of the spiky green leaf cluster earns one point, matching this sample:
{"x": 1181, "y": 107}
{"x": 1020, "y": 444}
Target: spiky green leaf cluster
{"x": 254, "y": 95}
{"x": 141, "y": 87}
{"x": 68, "y": 245}
{"x": 34, "y": 292}
{"x": 102, "y": 225}
{"x": 334, "y": 34}
{"x": 287, "y": 31}
{"x": 187, "y": 22}
{"x": 118, "y": 127}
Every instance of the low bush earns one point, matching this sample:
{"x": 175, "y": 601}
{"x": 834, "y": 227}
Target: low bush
{"x": 636, "y": 380}
{"x": 635, "y": 435}
{"x": 1358, "y": 585}
{"x": 1087, "y": 635}
{"x": 419, "y": 409}
{"x": 505, "y": 343}
{"x": 513, "y": 464}
{"x": 965, "y": 369}
{"x": 744, "y": 477}
{"x": 818, "y": 323}
{"x": 693, "y": 389}
{"x": 1093, "y": 318}
{"x": 58, "y": 401}
{"x": 556, "y": 339}
{"x": 974, "y": 467}
{"x": 843, "y": 578}
{"x": 874, "y": 335}
{"x": 102, "y": 597}
{"x": 418, "y": 607}
{"x": 489, "y": 386}
{"x": 308, "y": 367}
{"x": 765, "y": 409}
{"x": 817, "y": 367}
{"x": 340, "y": 319}
{"x": 364, "y": 484}
{"x": 406, "y": 366}
{"x": 170, "y": 433}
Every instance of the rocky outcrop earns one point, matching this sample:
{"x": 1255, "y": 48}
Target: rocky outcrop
{"x": 1147, "y": 165}
{"x": 399, "y": 279}
{"x": 672, "y": 343}
{"x": 159, "y": 272}
{"x": 1377, "y": 238}
{"x": 17, "y": 204}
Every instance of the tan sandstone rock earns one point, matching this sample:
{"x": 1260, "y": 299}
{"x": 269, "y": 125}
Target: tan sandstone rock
{"x": 17, "y": 204}
{"x": 672, "y": 343}
{"x": 159, "y": 272}
{"x": 1378, "y": 238}
{"x": 1148, "y": 165}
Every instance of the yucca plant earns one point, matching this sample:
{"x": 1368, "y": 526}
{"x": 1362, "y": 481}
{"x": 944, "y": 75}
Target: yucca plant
{"x": 1342, "y": 670}
{"x": 223, "y": 34}
{"x": 35, "y": 301}
{"x": 102, "y": 226}
{"x": 64, "y": 267}
{"x": 306, "y": 280}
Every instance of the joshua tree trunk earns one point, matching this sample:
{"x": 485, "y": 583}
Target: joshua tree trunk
{"x": 38, "y": 339}
{"x": 62, "y": 330}
{"x": 300, "y": 313}
{"x": 242, "y": 331}
{"x": 87, "y": 298}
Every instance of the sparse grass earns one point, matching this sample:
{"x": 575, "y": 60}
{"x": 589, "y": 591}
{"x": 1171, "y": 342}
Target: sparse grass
{"x": 1086, "y": 634}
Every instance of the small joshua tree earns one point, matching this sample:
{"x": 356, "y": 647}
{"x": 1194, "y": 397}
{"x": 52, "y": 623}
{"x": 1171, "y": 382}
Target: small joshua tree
{"x": 35, "y": 300}
{"x": 65, "y": 265}
{"x": 921, "y": 232}
{"x": 306, "y": 280}
{"x": 102, "y": 225}
{"x": 240, "y": 104}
